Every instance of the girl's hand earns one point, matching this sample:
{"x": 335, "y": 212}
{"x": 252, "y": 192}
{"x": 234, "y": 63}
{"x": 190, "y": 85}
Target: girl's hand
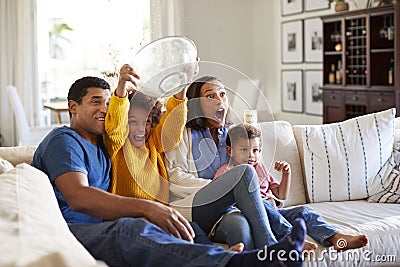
{"x": 126, "y": 74}
{"x": 282, "y": 166}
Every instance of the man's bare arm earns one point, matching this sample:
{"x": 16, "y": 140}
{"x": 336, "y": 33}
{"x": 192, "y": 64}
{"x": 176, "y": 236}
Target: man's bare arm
{"x": 98, "y": 203}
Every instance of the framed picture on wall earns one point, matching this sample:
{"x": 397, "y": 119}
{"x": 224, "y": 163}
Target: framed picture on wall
{"x": 292, "y": 90}
{"x": 313, "y": 5}
{"x": 292, "y": 41}
{"x": 313, "y": 82}
{"x": 290, "y": 7}
{"x": 313, "y": 40}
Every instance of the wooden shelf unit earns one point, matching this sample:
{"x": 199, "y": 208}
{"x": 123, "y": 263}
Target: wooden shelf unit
{"x": 367, "y": 44}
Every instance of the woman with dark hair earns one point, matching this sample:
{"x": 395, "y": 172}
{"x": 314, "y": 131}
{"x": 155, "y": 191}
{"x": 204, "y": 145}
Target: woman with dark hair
{"x": 193, "y": 164}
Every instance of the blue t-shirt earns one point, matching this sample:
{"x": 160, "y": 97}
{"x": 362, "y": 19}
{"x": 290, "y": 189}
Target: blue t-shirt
{"x": 64, "y": 150}
{"x": 208, "y": 158}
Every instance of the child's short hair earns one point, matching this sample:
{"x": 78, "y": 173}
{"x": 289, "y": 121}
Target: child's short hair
{"x": 147, "y": 103}
{"x": 242, "y": 130}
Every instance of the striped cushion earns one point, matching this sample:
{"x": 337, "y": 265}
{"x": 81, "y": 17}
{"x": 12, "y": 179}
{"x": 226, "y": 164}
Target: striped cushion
{"x": 391, "y": 170}
{"x": 342, "y": 160}
{"x": 391, "y": 194}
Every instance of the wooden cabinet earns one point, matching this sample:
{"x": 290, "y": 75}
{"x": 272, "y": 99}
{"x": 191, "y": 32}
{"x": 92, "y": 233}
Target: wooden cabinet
{"x": 361, "y": 62}
{"x": 333, "y": 108}
{"x": 380, "y": 101}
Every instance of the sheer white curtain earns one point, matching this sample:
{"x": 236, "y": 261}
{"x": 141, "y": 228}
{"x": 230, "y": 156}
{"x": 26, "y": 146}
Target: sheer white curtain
{"x": 167, "y": 18}
{"x": 18, "y": 63}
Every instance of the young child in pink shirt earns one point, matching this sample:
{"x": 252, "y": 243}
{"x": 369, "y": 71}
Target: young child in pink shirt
{"x": 244, "y": 147}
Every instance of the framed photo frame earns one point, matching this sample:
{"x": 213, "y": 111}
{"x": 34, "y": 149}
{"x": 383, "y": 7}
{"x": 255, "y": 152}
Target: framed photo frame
{"x": 292, "y": 90}
{"x": 314, "y": 5}
{"x": 313, "y": 40}
{"x": 290, "y": 7}
{"x": 313, "y": 82}
{"x": 292, "y": 41}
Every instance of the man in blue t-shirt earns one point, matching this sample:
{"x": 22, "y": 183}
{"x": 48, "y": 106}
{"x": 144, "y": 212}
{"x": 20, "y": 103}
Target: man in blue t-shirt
{"x": 78, "y": 166}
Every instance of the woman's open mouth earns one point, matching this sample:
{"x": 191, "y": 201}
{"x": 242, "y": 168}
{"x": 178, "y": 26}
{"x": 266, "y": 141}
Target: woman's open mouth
{"x": 220, "y": 114}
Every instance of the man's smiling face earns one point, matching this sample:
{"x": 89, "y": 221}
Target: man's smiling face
{"x": 89, "y": 115}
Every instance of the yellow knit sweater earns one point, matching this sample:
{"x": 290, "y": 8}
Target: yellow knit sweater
{"x": 140, "y": 172}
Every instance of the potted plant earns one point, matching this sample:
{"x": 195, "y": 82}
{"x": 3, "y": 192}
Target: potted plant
{"x": 341, "y": 5}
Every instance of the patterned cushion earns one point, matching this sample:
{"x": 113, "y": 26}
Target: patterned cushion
{"x": 391, "y": 194}
{"x": 391, "y": 170}
{"x": 342, "y": 160}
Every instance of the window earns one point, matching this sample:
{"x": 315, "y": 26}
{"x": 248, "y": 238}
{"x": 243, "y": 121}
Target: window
{"x": 92, "y": 37}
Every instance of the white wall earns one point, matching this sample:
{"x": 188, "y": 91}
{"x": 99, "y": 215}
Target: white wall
{"x": 245, "y": 34}
{"x": 223, "y": 31}
{"x": 268, "y": 21}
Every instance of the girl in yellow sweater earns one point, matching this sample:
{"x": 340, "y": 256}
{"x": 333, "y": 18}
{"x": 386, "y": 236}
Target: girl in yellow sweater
{"x": 137, "y": 150}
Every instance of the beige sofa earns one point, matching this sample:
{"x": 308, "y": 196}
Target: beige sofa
{"x": 34, "y": 234}
{"x": 32, "y": 229}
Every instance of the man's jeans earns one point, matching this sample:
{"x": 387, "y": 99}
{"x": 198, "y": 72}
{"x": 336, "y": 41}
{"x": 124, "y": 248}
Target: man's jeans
{"x": 136, "y": 242}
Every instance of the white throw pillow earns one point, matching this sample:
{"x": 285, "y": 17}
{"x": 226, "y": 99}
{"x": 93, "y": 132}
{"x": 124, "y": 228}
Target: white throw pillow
{"x": 278, "y": 143}
{"x": 342, "y": 160}
{"x": 32, "y": 229}
{"x": 5, "y": 165}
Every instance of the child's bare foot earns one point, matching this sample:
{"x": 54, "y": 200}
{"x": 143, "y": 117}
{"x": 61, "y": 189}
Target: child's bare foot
{"x": 237, "y": 248}
{"x": 309, "y": 246}
{"x": 342, "y": 242}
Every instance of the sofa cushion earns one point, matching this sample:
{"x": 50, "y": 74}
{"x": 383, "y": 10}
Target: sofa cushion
{"x": 32, "y": 229}
{"x": 380, "y": 222}
{"x": 278, "y": 143}
{"x": 342, "y": 160}
{"x": 5, "y": 165}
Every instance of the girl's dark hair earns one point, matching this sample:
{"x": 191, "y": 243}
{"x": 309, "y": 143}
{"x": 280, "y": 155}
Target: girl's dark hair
{"x": 79, "y": 88}
{"x": 242, "y": 130}
{"x": 195, "y": 116}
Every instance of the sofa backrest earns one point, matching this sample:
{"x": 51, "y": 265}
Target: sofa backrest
{"x": 299, "y": 141}
{"x": 278, "y": 143}
{"x": 18, "y": 154}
